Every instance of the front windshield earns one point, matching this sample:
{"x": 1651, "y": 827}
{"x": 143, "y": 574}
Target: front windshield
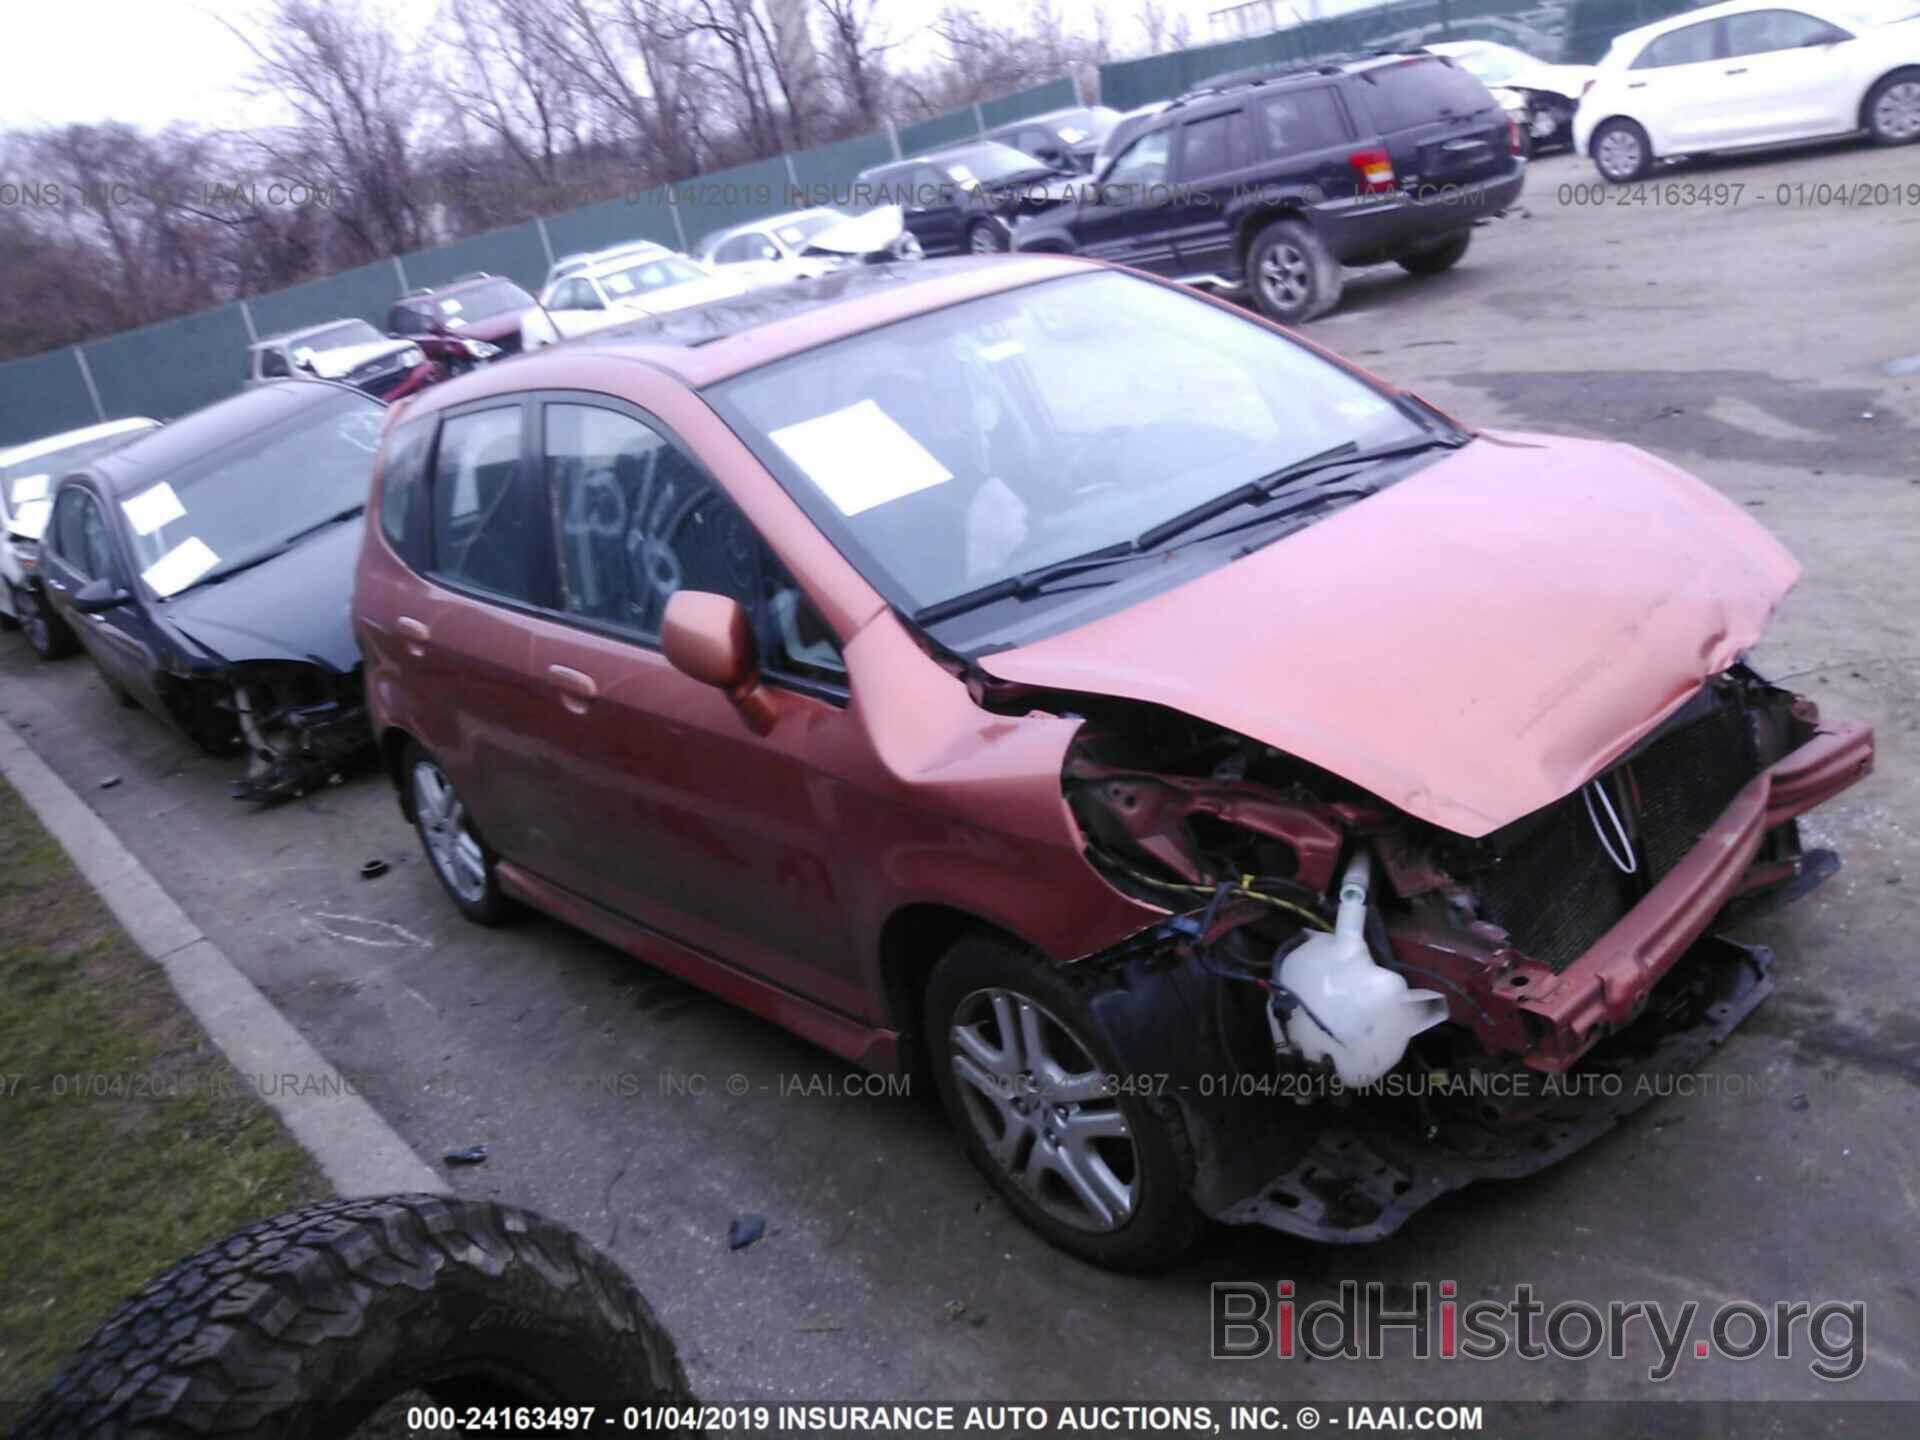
{"x": 247, "y": 499}
{"x": 482, "y": 301}
{"x": 984, "y": 440}
{"x": 26, "y": 486}
{"x": 984, "y": 164}
{"x": 650, "y": 275}
{"x": 338, "y": 337}
{"x": 1491, "y": 64}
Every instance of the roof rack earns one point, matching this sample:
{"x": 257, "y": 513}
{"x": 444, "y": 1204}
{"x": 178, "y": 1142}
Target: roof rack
{"x": 416, "y": 290}
{"x": 1254, "y": 75}
{"x": 470, "y": 275}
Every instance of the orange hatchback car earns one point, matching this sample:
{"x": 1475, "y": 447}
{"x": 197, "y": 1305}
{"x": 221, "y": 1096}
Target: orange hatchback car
{"x": 1177, "y": 744}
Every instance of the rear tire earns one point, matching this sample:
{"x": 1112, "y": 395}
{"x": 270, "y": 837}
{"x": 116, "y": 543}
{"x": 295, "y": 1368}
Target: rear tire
{"x": 1436, "y": 258}
{"x": 300, "y": 1326}
{"x": 1891, "y": 111}
{"x": 1291, "y": 275}
{"x": 465, "y": 864}
{"x": 1621, "y": 151}
{"x": 1098, "y": 1170}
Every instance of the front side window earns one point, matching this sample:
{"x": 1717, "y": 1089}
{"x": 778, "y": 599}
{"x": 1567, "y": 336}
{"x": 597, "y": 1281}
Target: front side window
{"x": 957, "y": 448}
{"x": 1144, "y": 162}
{"x": 273, "y": 364}
{"x": 68, "y": 532}
{"x": 1212, "y": 146}
{"x": 404, "y": 493}
{"x": 638, "y": 520}
{"x": 489, "y": 512}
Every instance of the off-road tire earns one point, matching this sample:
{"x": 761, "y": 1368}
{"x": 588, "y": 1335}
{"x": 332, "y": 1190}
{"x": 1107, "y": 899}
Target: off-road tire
{"x": 1164, "y": 1222}
{"x": 1437, "y": 258}
{"x": 300, "y": 1326}
{"x": 1297, "y": 250}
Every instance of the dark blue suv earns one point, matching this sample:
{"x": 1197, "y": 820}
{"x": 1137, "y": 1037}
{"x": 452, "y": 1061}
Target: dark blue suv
{"x": 1278, "y": 180}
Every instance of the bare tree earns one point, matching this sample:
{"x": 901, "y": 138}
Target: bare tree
{"x": 857, "y": 57}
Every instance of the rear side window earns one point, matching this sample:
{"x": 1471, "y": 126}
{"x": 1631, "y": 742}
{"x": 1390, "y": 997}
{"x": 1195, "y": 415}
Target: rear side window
{"x": 1420, "y": 92}
{"x": 1686, "y": 46}
{"x": 489, "y": 521}
{"x": 1298, "y": 120}
{"x": 405, "y": 516}
{"x": 1759, "y": 31}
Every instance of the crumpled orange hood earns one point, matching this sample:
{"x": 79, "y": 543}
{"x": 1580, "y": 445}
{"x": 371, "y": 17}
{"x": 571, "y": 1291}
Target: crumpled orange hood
{"x": 1469, "y": 645}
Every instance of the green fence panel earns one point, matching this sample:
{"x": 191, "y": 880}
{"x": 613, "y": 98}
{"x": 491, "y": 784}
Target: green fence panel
{"x": 825, "y": 174}
{"x": 949, "y": 129}
{"x": 515, "y": 252}
{"x": 364, "y": 292}
{"x": 732, "y": 197}
{"x": 173, "y": 367}
{"x": 43, "y": 395}
{"x": 1054, "y": 95}
{"x": 643, "y": 215}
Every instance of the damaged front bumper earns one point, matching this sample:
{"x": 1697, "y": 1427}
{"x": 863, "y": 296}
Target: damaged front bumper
{"x": 300, "y": 725}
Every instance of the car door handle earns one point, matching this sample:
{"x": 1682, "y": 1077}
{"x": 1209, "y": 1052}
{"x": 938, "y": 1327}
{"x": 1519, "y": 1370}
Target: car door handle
{"x": 415, "y": 633}
{"x": 577, "y": 690}
{"x": 1637, "y": 85}
{"x": 1738, "y": 70}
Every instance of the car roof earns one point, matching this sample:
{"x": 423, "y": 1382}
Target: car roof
{"x": 585, "y": 259}
{"x": 48, "y": 444}
{"x": 704, "y": 344}
{"x": 173, "y": 445}
{"x": 615, "y": 260}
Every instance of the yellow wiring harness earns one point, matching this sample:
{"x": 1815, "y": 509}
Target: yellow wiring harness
{"x": 1244, "y": 888}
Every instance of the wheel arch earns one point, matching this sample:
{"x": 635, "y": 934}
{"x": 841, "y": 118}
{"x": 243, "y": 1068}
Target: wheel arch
{"x": 912, "y": 941}
{"x": 393, "y": 749}
{"x": 1254, "y": 221}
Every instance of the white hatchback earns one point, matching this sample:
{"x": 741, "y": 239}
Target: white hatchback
{"x": 619, "y": 286}
{"x": 1749, "y": 73}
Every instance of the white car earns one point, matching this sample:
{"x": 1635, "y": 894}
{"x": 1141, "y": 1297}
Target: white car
{"x": 802, "y": 244}
{"x": 1541, "y": 98}
{"x": 350, "y": 351}
{"x": 1749, "y": 73}
{"x": 28, "y": 474}
{"x": 619, "y": 286}
{"x": 580, "y": 260}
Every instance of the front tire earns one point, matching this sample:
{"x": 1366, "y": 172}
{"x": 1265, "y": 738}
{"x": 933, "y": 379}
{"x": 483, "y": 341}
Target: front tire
{"x": 1621, "y": 151}
{"x": 1437, "y": 258}
{"x": 46, "y": 632}
{"x": 986, "y": 238}
{"x": 1026, "y": 1074}
{"x": 465, "y": 864}
{"x": 299, "y": 1327}
{"x": 1892, "y": 109}
{"x": 1291, "y": 274}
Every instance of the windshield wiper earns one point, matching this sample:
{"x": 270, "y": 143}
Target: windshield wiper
{"x": 1255, "y": 492}
{"x": 1147, "y": 543}
{"x": 227, "y": 572}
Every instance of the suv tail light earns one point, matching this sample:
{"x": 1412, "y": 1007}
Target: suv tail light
{"x": 1515, "y": 146}
{"x": 1375, "y": 170}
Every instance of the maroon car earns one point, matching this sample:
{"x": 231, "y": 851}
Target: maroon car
{"x": 1199, "y": 756}
{"x": 474, "y": 319}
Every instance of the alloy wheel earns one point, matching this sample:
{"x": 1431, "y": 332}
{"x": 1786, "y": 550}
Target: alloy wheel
{"x": 1286, "y": 277}
{"x": 451, "y": 843}
{"x": 1618, "y": 154}
{"x": 1896, "y": 114}
{"x": 1045, "y": 1110}
{"x": 981, "y": 241}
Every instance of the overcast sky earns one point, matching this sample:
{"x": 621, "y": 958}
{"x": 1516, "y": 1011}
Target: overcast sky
{"x": 153, "y": 62}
